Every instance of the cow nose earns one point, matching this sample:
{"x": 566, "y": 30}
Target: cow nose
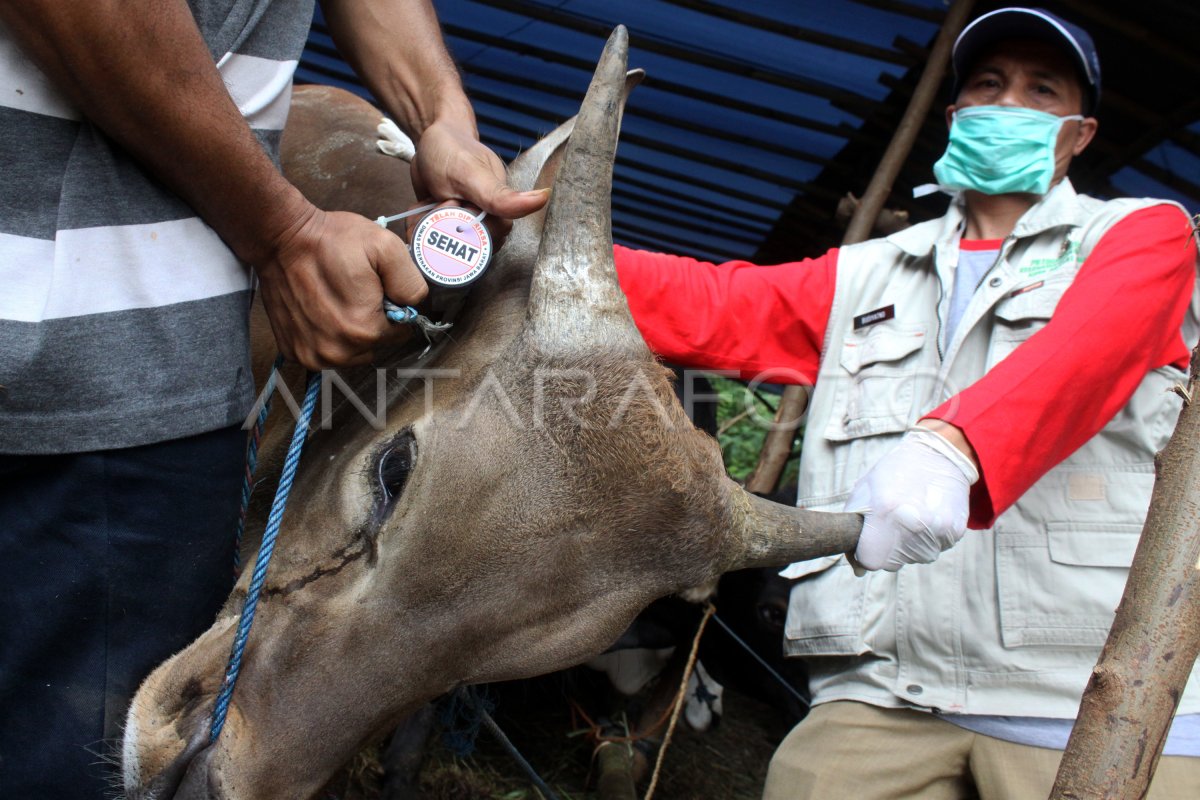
{"x": 198, "y": 781}
{"x": 184, "y": 778}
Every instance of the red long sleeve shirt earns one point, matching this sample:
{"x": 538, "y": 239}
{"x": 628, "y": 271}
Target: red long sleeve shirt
{"x": 1119, "y": 319}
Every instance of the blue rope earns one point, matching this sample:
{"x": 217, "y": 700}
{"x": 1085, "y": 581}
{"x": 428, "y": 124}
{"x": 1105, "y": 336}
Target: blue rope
{"x": 257, "y": 578}
{"x": 398, "y": 314}
{"x": 461, "y": 719}
{"x": 252, "y": 463}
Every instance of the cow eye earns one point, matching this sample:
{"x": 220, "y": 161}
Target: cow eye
{"x": 395, "y": 463}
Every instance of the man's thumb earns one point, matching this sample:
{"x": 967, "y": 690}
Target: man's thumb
{"x": 508, "y": 203}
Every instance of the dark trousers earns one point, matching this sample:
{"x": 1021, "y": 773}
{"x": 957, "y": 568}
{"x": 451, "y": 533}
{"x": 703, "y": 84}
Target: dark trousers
{"x": 109, "y": 562}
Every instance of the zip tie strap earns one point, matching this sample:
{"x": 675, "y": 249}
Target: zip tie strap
{"x": 478, "y": 219}
{"x": 383, "y": 222}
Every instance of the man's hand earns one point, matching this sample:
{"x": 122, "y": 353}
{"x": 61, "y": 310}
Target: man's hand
{"x": 452, "y": 163}
{"x": 323, "y": 286}
{"x": 415, "y": 80}
{"x": 914, "y": 501}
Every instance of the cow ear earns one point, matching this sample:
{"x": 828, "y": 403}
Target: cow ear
{"x": 536, "y": 168}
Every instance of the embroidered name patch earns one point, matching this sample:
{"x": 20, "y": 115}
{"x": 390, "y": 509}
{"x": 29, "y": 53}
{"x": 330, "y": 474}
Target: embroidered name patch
{"x": 871, "y": 317}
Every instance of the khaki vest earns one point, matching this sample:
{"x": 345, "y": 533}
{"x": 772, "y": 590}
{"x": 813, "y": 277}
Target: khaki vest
{"x": 1010, "y": 620}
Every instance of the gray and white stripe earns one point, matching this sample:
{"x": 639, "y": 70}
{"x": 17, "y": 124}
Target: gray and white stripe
{"x": 122, "y": 314}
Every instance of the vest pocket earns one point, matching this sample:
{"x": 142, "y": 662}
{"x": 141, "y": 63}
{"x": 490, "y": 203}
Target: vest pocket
{"x": 1061, "y": 587}
{"x": 878, "y": 367}
{"x": 817, "y": 625}
{"x": 1019, "y": 317}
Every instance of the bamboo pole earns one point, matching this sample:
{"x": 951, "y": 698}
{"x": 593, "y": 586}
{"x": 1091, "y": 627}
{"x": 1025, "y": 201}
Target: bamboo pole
{"x": 1135, "y": 687}
{"x": 778, "y": 443}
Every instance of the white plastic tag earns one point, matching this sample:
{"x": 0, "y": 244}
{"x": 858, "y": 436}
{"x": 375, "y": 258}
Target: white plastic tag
{"x": 451, "y": 246}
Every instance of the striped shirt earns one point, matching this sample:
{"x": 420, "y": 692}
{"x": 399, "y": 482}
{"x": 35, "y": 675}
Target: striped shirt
{"x": 123, "y": 316}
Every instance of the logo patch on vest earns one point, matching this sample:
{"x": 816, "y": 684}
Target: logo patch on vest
{"x": 1037, "y": 267}
{"x": 871, "y": 317}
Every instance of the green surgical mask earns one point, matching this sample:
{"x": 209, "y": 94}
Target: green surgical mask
{"x": 1000, "y": 149}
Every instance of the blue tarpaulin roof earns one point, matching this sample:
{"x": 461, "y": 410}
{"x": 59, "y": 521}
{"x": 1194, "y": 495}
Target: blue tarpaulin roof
{"x": 755, "y": 117}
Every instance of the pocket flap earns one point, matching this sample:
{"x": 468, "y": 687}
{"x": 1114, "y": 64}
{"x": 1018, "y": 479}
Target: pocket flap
{"x": 880, "y": 343}
{"x": 814, "y": 565}
{"x": 1031, "y": 302}
{"x": 1093, "y": 545}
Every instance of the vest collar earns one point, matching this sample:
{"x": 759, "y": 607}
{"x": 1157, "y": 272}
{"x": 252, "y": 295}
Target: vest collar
{"x": 1059, "y": 207}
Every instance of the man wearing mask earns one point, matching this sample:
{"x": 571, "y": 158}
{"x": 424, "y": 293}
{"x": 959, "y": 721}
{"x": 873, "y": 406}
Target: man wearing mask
{"x": 1005, "y": 368}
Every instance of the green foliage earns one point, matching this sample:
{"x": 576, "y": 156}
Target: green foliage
{"x": 743, "y": 418}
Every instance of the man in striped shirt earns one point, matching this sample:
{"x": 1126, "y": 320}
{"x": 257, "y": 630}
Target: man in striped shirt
{"x": 138, "y": 184}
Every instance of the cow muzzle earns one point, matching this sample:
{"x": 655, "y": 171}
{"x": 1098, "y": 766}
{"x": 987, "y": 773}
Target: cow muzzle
{"x": 187, "y": 777}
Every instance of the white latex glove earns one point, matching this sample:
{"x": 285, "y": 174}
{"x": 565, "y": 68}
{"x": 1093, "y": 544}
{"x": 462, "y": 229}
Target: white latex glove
{"x": 914, "y": 501}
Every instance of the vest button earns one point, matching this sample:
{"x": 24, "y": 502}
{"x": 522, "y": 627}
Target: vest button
{"x": 994, "y": 282}
{"x": 913, "y": 688}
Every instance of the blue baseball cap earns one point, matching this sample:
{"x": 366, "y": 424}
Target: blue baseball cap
{"x": 1029, "y": 23}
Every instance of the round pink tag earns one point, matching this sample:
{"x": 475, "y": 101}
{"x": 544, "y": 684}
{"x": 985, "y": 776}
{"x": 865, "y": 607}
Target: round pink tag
{"x": 450, "y": 247}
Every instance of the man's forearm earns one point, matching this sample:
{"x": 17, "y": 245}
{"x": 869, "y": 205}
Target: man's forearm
{"x": 396, "y": 47}
{"x": 140, "y": 70}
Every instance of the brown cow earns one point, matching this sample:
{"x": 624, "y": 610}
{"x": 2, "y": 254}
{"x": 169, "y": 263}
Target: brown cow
{"x": 510, "y": 518}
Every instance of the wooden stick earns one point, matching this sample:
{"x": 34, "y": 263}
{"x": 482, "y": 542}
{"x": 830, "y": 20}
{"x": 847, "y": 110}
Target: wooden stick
{"x": 1135, "y": 687}
{"x": 615, "y": 781}
{"x": 778, "y": 443}
{"x": 680, "y": 699}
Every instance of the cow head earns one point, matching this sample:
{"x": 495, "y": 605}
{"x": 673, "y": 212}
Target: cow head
{"x": 533, "y": 485}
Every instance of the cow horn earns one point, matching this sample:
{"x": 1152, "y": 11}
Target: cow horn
{"x": 768, "y": 534}
{"x": 575, "y": 300}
